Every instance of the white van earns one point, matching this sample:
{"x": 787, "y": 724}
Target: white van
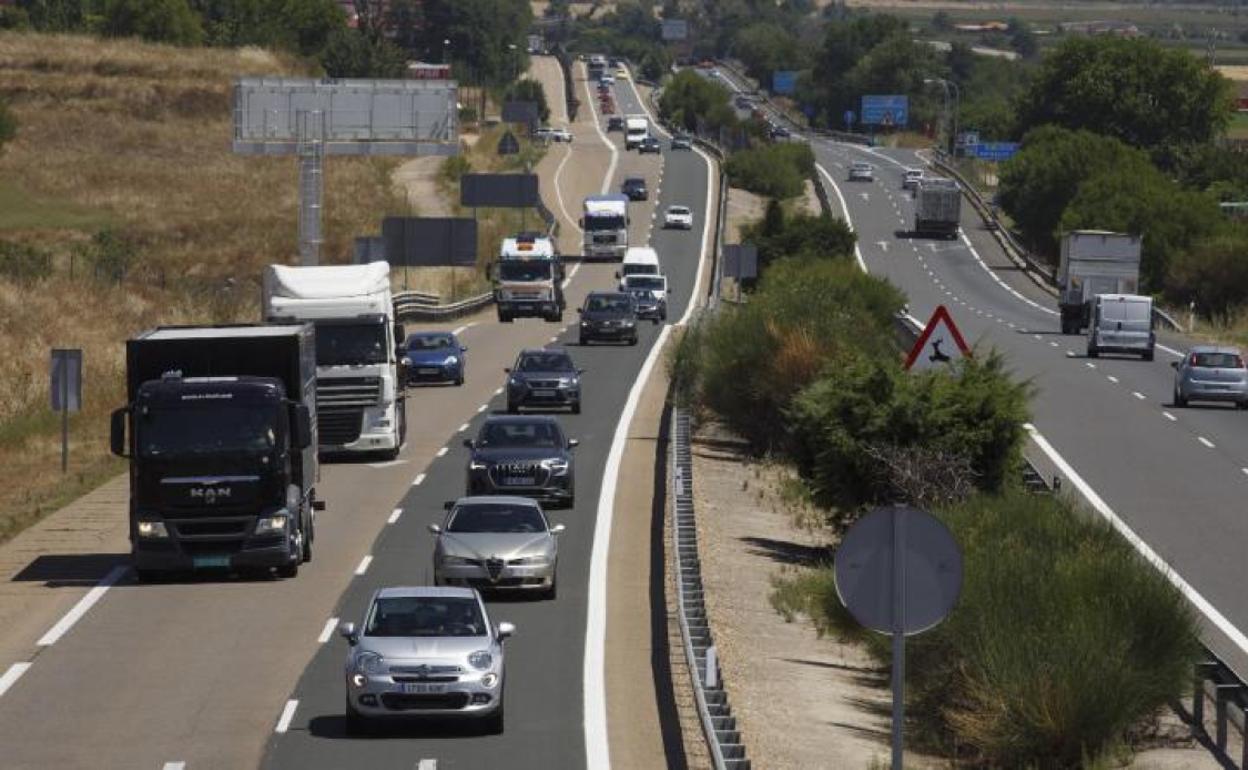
{"x": 638, "y": 260}
{"x": 1121, "y": 323}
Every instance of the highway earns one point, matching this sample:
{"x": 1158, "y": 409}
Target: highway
{"x": 228, "y": 673}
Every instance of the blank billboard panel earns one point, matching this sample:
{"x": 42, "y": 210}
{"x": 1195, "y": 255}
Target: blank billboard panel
{"x": 430, "y": 241}
{"x": 499, "y": 190}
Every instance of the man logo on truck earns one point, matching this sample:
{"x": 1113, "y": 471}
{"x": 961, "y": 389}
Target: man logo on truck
{"x": 210, "y": 494}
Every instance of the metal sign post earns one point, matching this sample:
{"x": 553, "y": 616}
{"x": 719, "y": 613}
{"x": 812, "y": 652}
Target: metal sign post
{"x": 66, "y": 392}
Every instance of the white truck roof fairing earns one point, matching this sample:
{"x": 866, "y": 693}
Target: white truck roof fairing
{"x": 330, "y": 291}
{"x": 614, "y": 205}
{"x": 527, "y": 248}
{"x": 637, "y": 123}
{"x": 641, "y": 255}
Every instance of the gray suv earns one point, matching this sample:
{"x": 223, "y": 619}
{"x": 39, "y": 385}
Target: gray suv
{"x": 525, "y": 455}
{"x": 425, "y": 652}
{"x": 544, "y": 377}
{"x": 1209, "y": 373}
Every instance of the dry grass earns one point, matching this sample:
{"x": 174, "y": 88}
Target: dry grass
{"x": 136, "y": 136}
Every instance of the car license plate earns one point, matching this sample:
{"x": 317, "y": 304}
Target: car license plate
{"x": 210, "y": 561}
{"x": 519, "y": 481}
{"x": 427, "y": 370}
{"x": 417, "y": 688}
{"x": 544, "y": 393}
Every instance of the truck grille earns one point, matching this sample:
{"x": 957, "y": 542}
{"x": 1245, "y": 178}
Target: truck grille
{"x": 347, "y": 391}
{"x": 504, "y": 474}
{"x": 211, "y": 528}
{"x": 339, "y": 425}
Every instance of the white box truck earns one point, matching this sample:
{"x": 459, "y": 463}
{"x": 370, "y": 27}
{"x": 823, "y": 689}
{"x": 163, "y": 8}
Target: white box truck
{"x": 604, "y": 220}
{"x": 359, "y": 385}
{"x": 528, "y": 279}
{"x": 1094, "y": 262}
{"x": 636, "y": 128}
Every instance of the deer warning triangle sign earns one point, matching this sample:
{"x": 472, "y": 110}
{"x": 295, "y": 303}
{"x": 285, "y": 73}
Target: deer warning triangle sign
{"x": 940, "y": 344}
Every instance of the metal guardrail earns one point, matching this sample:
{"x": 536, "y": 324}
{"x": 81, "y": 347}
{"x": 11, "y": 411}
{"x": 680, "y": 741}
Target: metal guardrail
{"x": 419, "y": 305}
{"x": 719, "y": 726}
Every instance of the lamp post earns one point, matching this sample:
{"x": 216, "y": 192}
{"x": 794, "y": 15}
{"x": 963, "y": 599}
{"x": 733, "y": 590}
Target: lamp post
{"x": 951, "y": 119}
{"x": 515, "y": 64}
{"x": 446, "y": 47}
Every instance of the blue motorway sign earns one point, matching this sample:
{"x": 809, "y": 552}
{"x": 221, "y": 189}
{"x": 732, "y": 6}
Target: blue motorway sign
{"x": 997, "y": 151}
{"x": 885, "y": 110}
{"x": 783, "y": 81}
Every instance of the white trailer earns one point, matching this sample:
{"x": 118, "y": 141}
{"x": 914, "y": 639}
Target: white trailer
{"x": 1094, "y": 262}
{"x": 636, "y": 128}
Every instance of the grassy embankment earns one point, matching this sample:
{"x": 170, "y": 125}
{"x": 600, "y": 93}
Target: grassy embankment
{"x": 133, "y": 140}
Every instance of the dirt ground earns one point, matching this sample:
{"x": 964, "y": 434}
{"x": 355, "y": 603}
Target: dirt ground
{"x": 802, "y": 701}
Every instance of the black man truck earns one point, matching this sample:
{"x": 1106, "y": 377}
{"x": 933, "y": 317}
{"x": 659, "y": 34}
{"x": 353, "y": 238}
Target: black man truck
{"x": 220, "y": 431}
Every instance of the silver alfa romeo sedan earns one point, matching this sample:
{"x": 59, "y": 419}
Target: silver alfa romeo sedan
{"x": 425, "y": 652}
{"x": 496, "y": 543}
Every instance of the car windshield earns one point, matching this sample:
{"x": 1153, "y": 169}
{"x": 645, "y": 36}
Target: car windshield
{"x": 544, "y": 362}
{"x": 221, "y": 429}
{"x": 418, "y": 342}
{"x": 496, "y": 517}
{"x": 524, "y": 270}
{"x": 537, "y": 434}
{"x": 639, "y": 268}
{"x": 861, "y": 167}
{"x": 425, "y": 616}
{"x": 634, "y": 183}
{"x": 350, "y": 344}
{"x": 681, "y": 210}
{"x": 1217, "y": 360}
{"x": 600, "y": 303}
{"x": 644, "y": 282}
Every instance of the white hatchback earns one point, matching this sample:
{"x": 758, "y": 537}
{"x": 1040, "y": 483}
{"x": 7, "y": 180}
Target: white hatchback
{"x": 678, "y": 217}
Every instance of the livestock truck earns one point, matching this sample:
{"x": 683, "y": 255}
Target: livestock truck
{"x": 1094, "y": 262}
{"x": 937, "y": 208}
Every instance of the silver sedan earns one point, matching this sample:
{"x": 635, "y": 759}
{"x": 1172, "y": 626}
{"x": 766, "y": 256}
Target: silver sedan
{"x": 497, "y": 543}
{"x": 1209, "y": 373}
{"x": 424, "y": 651}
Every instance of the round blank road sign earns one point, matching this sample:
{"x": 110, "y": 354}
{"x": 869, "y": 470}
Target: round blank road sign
{"x": 931, "y": 560}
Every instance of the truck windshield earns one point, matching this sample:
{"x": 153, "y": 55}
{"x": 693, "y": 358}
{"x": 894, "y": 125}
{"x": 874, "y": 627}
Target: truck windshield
{"x": 221, "y": 429}
{"x": 599, "y": 222}
{"x": 350, "y": 344}
{"x": 523, "y": 270}
{"x": 645, "y": 282}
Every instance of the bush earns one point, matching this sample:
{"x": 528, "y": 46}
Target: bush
{"x": 111, "y": 255}
{"x": 775, "y": 170}
{"x": 13, "y": 17}
{"x": 351, "y": 53}
{"x": 454, "y": 167}
{"x": 807, "y": 236}
{"x": 526, "y": 90}
{"x": 161, "y": 21}
{"x": 806, "y": 315}
{"x": 1214, "y": 275}
{"x": 23, "y": 263}
{"x": 854, "y": 418}
{"x": 696, "y": 104}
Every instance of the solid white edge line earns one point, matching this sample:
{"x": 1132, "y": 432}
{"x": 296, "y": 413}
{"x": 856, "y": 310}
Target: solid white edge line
{"x": 1170, "y": 417}
{"x": 288, "y": 714}
{"x": 327, "y": 631}
{"x": 615, "y": 153}
{"x": 394, "y": 515}
{"x": 1208, "y": 610}
{"x": 11, "y": 676}
{"x": 442, "y": 452}
{"x": 1206, "y": 442}
{"x": 420, "y": 479}
{"x": 845, "y": 208}
{"x": 84, "y": 604}
{"x": 174, "y": 766}
{"x": 1169, "y": 350}
{"x": 367, "y": 560}
{"x": 461, "y": 329}
{"x": 463, "y": 427}
{"x": 597, "y": 747}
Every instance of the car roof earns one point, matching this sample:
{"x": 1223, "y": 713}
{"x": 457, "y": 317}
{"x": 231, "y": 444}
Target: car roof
{"x": 501, "y": 499}
{"x": 391, "y": 592}
{"x": 1214, "y": 349}
{"x": 537, "y": 351}
{"x": 521, "y": 419}
{"x": 607, "y": 294}
{"x": 634, "y": 179}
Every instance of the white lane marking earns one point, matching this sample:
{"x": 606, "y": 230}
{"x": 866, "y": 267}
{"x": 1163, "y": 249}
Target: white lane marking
{"x": 482, "y": 408}
{"x": 554, "y": 339}
{"x": 420, "y": 479}
{"x": 1052, "y": 344}
{"x": 288, "y": 713}
{"x": 174, "y": 766}
{"x": 1038, "y": 337}
{"x": 1111, "y": 378}
{"x": 387, "y": 463}
{"x": 1206, "y": 442}
{"x": 1170, "y": 417}
{"x": 327, "y": 631}
{"x": 1070, "y": 354}
{"x": 1245, "y": 470}
{"x": 615, "y": 154}
{"x": 84, "y": 604}
{"x": 442, "y": 452}
{"x": 427, "y": 764}
{"x": 1169, "y": 350}
{"x": 394, "y": 515}
{"x": 11, "y": 676}
{"x": 367, "y": 560}
{"x": 498, "y": 391}
{"x": 463, "y": 427}
{"x": 845, "y": 209}
{"x": 563, "y": 207}
{"x": 458, "y": 330}
{"x": 1138, "y": 394}
{"x": 1201, "y": 604}
{"x": 597, "y": 750}
{"x": 1011, "y": 324}
{"x": 1090, "y": 365}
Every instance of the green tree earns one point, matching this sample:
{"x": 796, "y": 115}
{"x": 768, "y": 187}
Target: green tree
{"x": 1213, "y": 273}
{"x": 351, "y": 53}
{"x": 803, "y": 236}
{"x": 695, "y": 103}
{"x": 1139, "y": 199}
{"x": 302, "y": 26}
{"x": 1022, "y": 39}
{"x": 56, "y": 15}
{"x": 1139, "y": 91}
{"x": 161, "y": 21}
{"x": 766, "y": 47}
{"x": 774, "y": 170}
{"x": 481, "y": 34}
{"x": 526, "y": 90}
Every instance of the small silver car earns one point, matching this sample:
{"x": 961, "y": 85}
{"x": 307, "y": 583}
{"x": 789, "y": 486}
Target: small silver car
{"x": 499, "y": 543}
{"x": 911, "y": 178}
{"x": 861, "y": 172}
{"x": 1209, "y": 373}
{"x": 425, "y": 651}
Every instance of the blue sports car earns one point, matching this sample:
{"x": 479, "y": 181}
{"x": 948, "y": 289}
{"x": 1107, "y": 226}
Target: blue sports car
{"x": 435, "y": 357}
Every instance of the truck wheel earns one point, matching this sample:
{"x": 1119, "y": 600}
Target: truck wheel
{"x": 309, "y": 530}
{"x": 1093, "y": 352}
{"x": 1147, "y": 355}
{"x": 147, "y": 575}
{"x": 504, "y": 318}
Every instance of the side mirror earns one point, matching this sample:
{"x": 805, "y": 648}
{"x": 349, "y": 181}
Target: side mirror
{"x": 435, "y": 529}
{"x": 117, "y": 432}
{"x": 347, "y": 631}
{"x": 301, "y": 426}
{"x": 448, "y": 505}
{"x": 404, "y": 361}
{"x": 580, "y": 371}
{"x": 507, "y": 370}
{"x": 505, "y": 630}
{"x": 1173, "y": 365}
{"x": 573, "y": 443}
{"x": 557, "y": 529}
{"x": 580, "y": 310}
{"x": 617, "y": 274}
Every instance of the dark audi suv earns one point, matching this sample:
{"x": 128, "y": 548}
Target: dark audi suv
{"x": 635, "y": 188}
{"x": 609, "y": 316}
{"x": 525, "y": 455}
{"x": 544, "y": 377}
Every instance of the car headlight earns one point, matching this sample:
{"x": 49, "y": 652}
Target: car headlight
{"x": 530, "y": 561}
{"x": 481, "y": 660}
{"x": 489, "y": 680}
{"x": 513, "y": 382}
{"x": 557, "y": 467}
{"x": 451, "y": 361}
{"x": 152, "y": 529}
{"x": 457, "y": 561}
{"x": 629, "y": 324}
{"x": 585, "y": 324}
{"x": 477, "y": 465}
{"x": 358, "y": 679}
{"x": 272, "y": 525}
{"x": 369, "y": 662}
{"x": 566, "y": 382}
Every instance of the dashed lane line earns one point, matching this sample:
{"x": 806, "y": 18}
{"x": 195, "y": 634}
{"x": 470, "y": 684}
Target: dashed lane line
{"x": 442, "y": 452}
{"x": 420, "y": 479}
{"x": 1170, "y": 417}
{"x": 1138, "y": 394}
{"x": 394, "y": 515}
{"x": 1206, "y": 442}
{"x": 327, "y": 631}
{"x": 288, "y": 714}
{"x": 11, "y": 676}
{"x": 367, "y": 560}
{"x": 84, "y": 604}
